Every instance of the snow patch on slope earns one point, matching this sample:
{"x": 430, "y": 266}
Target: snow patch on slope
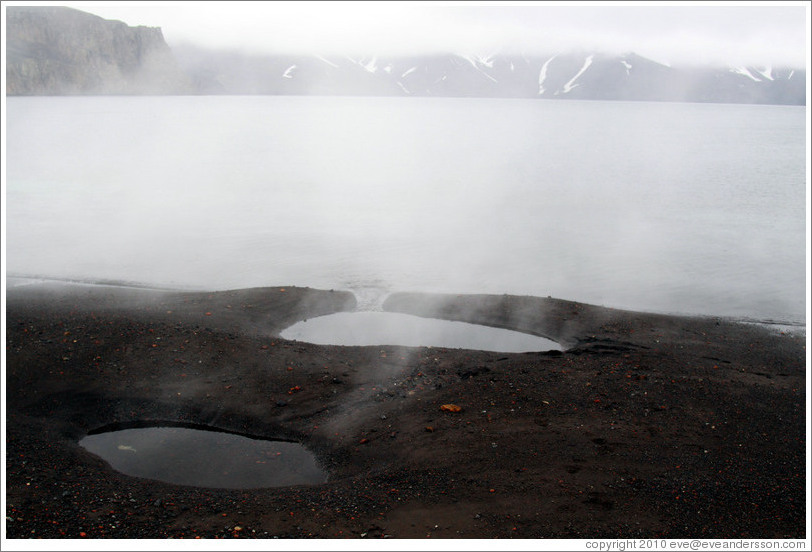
{"x": 744, "y": 71}
{"x": 475, "y": 61}
{"x": 328, "y": 62}
{"x": 368, "y": 65}
{"x": 571, "y": 84}
{"x": 486, "y": 61}
{"x": 543, "y": 75}
{"x": 627, "y": 65}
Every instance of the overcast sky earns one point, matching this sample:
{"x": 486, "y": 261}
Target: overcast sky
{"x": 770, "y": 33}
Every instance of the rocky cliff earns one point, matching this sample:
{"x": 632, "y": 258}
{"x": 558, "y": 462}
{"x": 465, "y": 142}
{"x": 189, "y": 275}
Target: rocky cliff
{"x": 62, "y": 51}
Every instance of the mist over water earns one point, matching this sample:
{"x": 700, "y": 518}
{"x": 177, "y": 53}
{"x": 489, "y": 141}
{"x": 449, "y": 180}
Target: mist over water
{"x": 682, "y": 208}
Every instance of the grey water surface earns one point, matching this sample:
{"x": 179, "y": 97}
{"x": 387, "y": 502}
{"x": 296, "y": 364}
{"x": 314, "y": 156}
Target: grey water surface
{"x": 201, "y": 458}
{"x": 390, "y": 328}
{"x": 667, "y": 207}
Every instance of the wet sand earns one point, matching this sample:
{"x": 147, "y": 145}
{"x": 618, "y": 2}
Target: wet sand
{"x": 645, "y": 426}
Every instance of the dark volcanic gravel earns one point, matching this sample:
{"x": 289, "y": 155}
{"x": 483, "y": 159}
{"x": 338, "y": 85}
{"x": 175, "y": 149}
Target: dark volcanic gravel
{"x": 646, "y": 426}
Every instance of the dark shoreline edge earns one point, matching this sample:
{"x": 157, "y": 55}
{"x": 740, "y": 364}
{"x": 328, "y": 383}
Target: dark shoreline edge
{"x": 35, "y": 279}
{"x": 647, "y": 425}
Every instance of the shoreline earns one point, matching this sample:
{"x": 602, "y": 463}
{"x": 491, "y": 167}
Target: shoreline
{"x": 788, "y": 322}
{"x": 646, "y": 425}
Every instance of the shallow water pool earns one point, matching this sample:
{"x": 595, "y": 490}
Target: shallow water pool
{"x": 390, "y": 328}
{"x": 205, "y": 458}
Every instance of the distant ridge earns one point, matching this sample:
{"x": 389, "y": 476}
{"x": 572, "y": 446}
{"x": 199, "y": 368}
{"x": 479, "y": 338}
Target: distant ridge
{"x": 61, "y": 51}
{"x": 572, "y": 76}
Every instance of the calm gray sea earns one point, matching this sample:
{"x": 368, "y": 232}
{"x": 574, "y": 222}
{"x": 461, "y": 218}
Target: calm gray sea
{"x": 686, "y": 208}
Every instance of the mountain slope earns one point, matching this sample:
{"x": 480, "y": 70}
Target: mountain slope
{"x": 575, "y": 76}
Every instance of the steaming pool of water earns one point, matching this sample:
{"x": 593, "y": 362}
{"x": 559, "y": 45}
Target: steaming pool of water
{"x": 205, "y": 458}
{"x": 390, "y": 328}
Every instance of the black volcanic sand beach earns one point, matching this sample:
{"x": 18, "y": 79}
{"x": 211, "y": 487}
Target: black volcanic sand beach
{"x": 645, "y": 426}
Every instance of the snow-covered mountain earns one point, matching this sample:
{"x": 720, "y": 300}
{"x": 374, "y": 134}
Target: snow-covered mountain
{"x": 582, "y": 76}
{"x": 61, "y": 51}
